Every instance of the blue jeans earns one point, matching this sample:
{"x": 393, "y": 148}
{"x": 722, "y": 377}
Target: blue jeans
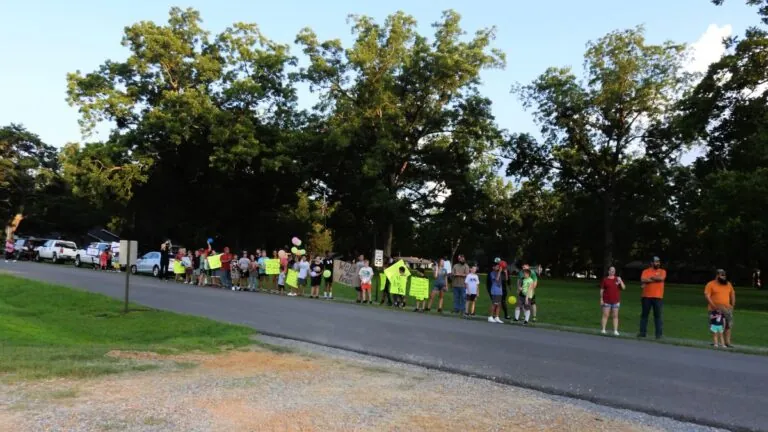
{"x": 226, "y": 278}
{"x": 459, "y": 298}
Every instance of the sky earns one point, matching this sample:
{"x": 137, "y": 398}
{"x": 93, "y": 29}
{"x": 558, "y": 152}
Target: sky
{"x": 41, "y": 41}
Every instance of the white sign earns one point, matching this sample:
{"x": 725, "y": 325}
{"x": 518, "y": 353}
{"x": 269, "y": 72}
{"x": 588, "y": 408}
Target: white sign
{"x": 378, "y": 258}
{"x": 124, "y": 251}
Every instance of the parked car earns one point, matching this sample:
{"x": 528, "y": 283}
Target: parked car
{"x": 149, "y": 263}
{"x": 24, "y": 249}
{"x": 91, "y": 255}
{"x": 56, "y": 251}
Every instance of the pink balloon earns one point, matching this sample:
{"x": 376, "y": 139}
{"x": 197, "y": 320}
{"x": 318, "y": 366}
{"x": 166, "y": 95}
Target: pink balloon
{"x": 296, "y": 241}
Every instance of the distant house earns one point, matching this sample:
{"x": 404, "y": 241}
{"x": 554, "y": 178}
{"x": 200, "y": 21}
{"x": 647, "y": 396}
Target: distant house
{"x": 415, "y": 263}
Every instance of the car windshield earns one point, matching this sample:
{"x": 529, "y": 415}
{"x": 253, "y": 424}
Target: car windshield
{"x": 68, "y": 245}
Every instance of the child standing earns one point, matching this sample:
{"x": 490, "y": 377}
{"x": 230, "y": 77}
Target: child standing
{"x": 496, "y": 292}
{"x": 398, "y": 286}
{"x": 234, "y": 274}
{"x": 525, "y": 294}
{"x": 366, "y": 276}
{"x": 303, "y": 269}
{"x": 472, "y": 283}
{"x": 103, "y": 260}
{"x": 281, "y": 281}
{"x": 187, "y": 261}
{"x": 316, "y": 276}
{"x": 716, "y": 326}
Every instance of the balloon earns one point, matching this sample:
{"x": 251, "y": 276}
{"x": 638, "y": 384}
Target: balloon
{"x": 497, "y": 260}
{"x": 503, "y": 264}
{"x": 302, "y": 252}
{"x": 294, "y": 250}
{"x": 281, "y": 254}
{"x": 512, "y": 300}
{"x": 327, "y": 274}
{"x": 296, "y": 241}
{"x": 210, "y": 240}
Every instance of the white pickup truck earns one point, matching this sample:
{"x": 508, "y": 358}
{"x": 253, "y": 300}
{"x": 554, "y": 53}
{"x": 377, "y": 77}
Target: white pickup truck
{"x": 91, "y": 255}
{"x": 56, "y": 251}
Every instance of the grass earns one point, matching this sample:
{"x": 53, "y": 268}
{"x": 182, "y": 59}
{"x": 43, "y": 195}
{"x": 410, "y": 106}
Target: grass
{"x": 48, "y": 330}
{"x": 574, "y": 305}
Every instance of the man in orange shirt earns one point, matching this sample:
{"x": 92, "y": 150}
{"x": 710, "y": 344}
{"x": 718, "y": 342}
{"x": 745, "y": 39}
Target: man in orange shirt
{"x": 652, "y": 282}
{"x": 722, "y": 298}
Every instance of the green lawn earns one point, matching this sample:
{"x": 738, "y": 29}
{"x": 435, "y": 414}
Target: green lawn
{"x": 48, "y": 330}
{"x": 575, "y": 304}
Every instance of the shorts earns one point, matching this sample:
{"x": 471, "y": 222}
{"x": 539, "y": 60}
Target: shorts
{"x": 521, "y": 301}
{"x": 303, "y": 282}
{"x": 611, "y": 306}
{"x": 262, "y": 275}
{"x": 244, "y": 274}
{"x": 281, "y": 287}
{"x": 437, "y": 287}
{"x": 329, "y": 279}
{"x": 196, "y": 272}
{"x": 471, "y": 297}
{"x": 716, "y": 328}
{"x": 496, "y": 299}
{"x": 366, "y": 286}
{"x": 358, "y": 289}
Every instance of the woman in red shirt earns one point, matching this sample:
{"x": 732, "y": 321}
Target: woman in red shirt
{"x": 610, "y": 299}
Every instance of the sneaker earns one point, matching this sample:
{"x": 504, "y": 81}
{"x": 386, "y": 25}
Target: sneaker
{"x": 516, "y": 320}
{"x": 416, "y": 309}
{"x": 439, "y": 311}
{"x": 716, "y": 345}
{"x": 602, "y": 331}
{"x": 507, "y": 317}
{"x": 525, "y": 323}
{"x": 533, "y": 319}
{"x": 427, "y": 310}
{"x": 615, "y": 333}
{"x": 728, "y": 346}
{"x": 498, "y": 320}
{"x": 491, "y": 320}
{"x": 234, "y": 289}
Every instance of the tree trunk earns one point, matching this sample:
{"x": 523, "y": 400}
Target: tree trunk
{"x": 454, "y": 248}
{"x": 388, "y": 242}
{"x": 608, "y": 201}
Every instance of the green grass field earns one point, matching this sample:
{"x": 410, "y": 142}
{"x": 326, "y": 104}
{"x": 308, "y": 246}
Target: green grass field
{"x": 48, "y": 330}
{"x": 575, "y": 304}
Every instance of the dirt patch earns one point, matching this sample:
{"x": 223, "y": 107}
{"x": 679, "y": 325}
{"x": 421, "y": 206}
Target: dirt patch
{"x": 263, "y": 390}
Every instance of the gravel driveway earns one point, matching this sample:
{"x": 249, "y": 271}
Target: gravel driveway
{"x": 298, "y": 387}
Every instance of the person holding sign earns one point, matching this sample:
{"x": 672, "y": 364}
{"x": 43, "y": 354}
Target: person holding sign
{"x": 420, "y": 291}
{"x": 399, "y": 284}
{"x": 366, "y": 276}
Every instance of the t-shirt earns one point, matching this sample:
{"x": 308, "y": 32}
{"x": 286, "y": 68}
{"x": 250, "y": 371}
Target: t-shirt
{"x": 358, "y": 266}
{"x": 534, "y": 276}
{"x": 366, "y": 274}
{"x": 715, "y": 318}
{"x": 303, "y": 269}
{"x": 653, "y": 289}
{"x": 262, "y": 265}
{"x": 441, "y": 276}
{"x": 328, "y": 264}
{"x": 719, "y": 293}
{"x": 526, "y": 288}
{"x": 316, "y": 275}
{"x": 460, "y": 272}
{"x": 244, "y": 263}
{"x": 186, "y": 262}
{"x": 226, "y": 260}
{"x": 281, "y": 279}
{"x": 471, "y": 281}
{"x": 284, "y": 263}
{"x": 495, "y": 284}
{"x": 611, "y": 290}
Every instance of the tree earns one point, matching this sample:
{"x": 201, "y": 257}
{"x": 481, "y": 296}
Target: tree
{"x": 201, "y": 122}
{"x": 27, "y": 166}
{"x": 597, "y": 130}
{"x": 403, "y": 114}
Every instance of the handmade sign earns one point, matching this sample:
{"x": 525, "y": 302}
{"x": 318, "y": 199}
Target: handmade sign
{"x": 178, "y": 267}
{"x": 273, "y": 266}
{"x": 214, "y": 262}
{"x": 345, "y": 273}
{"x": 419, "y": 288}
{"x": 292, "y": 279}
{"x": 382, "y": 281}
{"x": 394, "y": 270}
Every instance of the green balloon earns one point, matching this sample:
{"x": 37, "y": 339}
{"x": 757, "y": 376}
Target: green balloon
{"x": 327, "y": 274}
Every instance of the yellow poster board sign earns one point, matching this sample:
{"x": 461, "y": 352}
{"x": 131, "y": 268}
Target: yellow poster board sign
{"x": 394, "y": 270}
{"x": 273, "y": 266}
{"x": 292, "y": 279}
{"x": 214, "y": 262}
{"x": 382, "y": 281}
{"x": 419, "y": 288}
{"x": 178, "y": 267}
{"x": 399, "y": 285}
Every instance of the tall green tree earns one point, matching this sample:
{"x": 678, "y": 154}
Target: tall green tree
{"x": 204, "y": 127}
{"x": 402, "y": 115}
{"x": 599, "y": 129}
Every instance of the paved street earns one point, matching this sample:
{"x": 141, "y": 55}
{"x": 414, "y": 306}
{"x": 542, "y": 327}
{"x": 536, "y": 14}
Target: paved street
{"x": 704, "y": 386}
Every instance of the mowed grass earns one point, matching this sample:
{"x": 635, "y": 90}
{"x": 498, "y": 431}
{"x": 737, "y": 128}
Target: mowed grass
{"x": 575, "y": 304}
{"x": 48, "y": 330}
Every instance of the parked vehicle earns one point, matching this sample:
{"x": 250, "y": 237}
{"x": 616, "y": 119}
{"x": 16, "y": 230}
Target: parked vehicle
{"x": 91, "y": 255}
{"x": 149, "y": 263}
{"x": 56, "y": 251}
{"x": 24, "y": 248}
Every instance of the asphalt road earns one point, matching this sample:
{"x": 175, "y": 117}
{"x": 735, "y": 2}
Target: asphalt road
{"x": 709, "y": 387}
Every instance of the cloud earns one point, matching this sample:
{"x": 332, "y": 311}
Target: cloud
{"x": 708, "y": 48}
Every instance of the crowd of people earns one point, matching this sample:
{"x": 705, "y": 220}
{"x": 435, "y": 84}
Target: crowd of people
{"x": 249, "y": 272}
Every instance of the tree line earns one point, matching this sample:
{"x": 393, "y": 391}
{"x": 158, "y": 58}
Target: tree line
{"x": 402, "y": 152}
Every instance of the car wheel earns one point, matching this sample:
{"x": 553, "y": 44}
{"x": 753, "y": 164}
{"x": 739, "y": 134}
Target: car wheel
{"x": 54, "y": 259}
{"x": 155, "y": 271}
{"x": 77, "y": 261}
{"x": 134, "y": 270}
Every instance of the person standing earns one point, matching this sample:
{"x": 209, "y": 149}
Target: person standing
{"x": 495, "y": 291}
{"x": 459, "y": 274}
{"x": 359, "y": 288}
{"x": 757, "y": 279}
{"x": 652, "y": 281}
{"x": 472, "y": 283}
{"x": 532, "y": 300}
{"x": 721, "y": 299}
{"x": 385, "y": 291}
{"x": 366, "y": 277}
{"x": 439, "y": 288}
{"x": 610, "y": 299}
{"x": 328, "y": 266}
{"x": 226, "y": 267}
{"x": 165, "y": 260}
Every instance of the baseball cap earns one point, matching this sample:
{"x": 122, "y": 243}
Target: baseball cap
{"x": 656, "y": 258}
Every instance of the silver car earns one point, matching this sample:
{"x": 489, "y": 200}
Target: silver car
{"x": 149, "y": 263}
